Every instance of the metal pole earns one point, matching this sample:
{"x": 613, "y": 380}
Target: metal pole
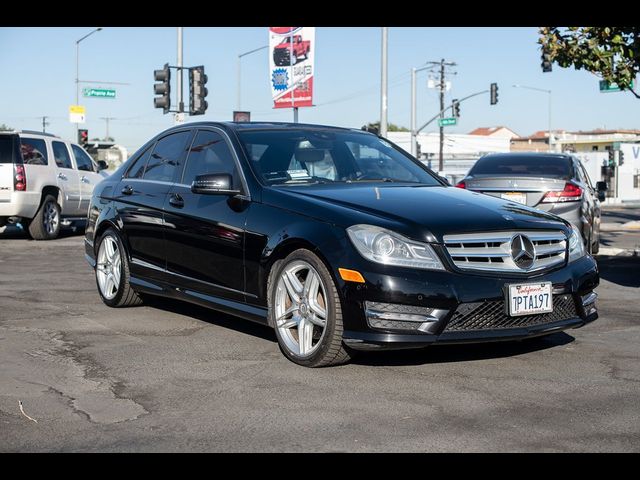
{"x": 179, "y": 65}
{"x": 414, "y": 148}
{"x": 77, "y": 80}
{"x": 550, "y": 120}
{"x": 441, "y": 164}
{"x": 295, "y": 114}
{"x": 44, "y": 124}
{"x": 383, "y": 86}
{"x": 239, "y": 82}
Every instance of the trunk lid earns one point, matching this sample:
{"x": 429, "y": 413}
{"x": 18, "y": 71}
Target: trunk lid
{"x": 519, "y": 189}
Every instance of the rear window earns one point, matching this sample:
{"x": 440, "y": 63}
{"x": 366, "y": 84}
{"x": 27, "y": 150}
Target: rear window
{"x": 7, "y": 143}
{"x": 523, "y": 166}
{"x": 34, "y": 151}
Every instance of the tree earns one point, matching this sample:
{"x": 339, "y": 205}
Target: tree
{"x": 613, "y": 53}
{"x": 391, "y": 127}
{"x": 5, "y": 128}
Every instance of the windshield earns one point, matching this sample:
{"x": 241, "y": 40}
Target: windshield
{"x": 521, "y": 165}
{"x": 295, "y": 156}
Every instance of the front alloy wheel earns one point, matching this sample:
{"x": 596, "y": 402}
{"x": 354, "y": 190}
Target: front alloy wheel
{"x": 306, "y": 311}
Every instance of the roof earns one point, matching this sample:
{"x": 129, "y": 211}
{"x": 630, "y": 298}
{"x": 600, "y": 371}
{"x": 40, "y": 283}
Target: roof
{"x": 487, "y": 131}
{"x": 266, "y": 125}
{"x": 528, "y": 154}
{"x": 599, "y": 131}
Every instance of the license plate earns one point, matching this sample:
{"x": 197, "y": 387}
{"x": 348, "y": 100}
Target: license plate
{"x": 515, "y": 197}
{"x": 529, "y": 299}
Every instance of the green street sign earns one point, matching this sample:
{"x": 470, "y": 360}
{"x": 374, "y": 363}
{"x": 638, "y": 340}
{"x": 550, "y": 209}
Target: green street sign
{"x": 99, "y": 92}
{"x": 610, "y": 87}
{"x": 445, "y": 122}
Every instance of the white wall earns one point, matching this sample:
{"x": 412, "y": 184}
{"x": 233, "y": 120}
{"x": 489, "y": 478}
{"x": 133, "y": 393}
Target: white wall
{"x": 629, "y": 168}
{"x": 454, "y": 143}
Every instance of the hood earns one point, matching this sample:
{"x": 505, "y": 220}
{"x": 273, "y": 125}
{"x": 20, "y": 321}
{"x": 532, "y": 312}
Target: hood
{"x": 419, "y": 212}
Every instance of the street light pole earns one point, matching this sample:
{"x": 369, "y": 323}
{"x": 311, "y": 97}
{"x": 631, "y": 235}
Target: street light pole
{"x": 414, "y": 108}
{"x": 238, "y": 88}
{"x": 548, "y": 92}
{"x": 383, "y": 84}
{"x": 78, "y": 66}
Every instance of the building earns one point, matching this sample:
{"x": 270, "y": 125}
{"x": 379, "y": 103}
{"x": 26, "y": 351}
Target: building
{"x": 538, "y": 142}
{"x": 594, "y": 140}
{"x": 497, "y": 132}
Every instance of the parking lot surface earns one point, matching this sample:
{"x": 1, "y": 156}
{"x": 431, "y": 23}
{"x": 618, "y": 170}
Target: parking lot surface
{"x": 170, "y": 376}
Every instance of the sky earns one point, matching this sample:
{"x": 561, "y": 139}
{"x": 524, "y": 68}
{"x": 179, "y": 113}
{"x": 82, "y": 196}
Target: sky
{"x": 38, "y": 78}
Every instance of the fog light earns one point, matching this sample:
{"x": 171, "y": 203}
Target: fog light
{"x": 589, "y": 303}
{"x": 394, "y": 316}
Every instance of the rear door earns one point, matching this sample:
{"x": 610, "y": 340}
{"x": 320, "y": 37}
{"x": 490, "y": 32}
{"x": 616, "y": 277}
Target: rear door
{"x": 89, "y": 176}
{"x": 8, "y": 152}
{"x": 68, "y": 179}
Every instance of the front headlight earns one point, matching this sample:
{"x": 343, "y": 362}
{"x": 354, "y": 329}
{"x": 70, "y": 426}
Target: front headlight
{"x": 576, "y": 247}
{"x": 389, "y": 248}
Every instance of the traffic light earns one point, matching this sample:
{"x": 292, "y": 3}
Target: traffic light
{"x": 197, "y": 91}
{"x": 494, "y": 93}
{"x": 620, "y": 157}
{"x": 611, "y": 158}
{"x": 455, "y": 107}
{"x": 83, "y": 137}
{"x": 546, "y": 60}
{"x": 163, "y": 88}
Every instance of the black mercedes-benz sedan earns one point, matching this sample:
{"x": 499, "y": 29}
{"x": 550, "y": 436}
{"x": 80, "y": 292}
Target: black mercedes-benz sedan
{"x": 336, "y": 238}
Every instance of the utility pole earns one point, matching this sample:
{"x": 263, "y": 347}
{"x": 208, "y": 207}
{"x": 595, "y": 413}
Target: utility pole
{"x": 106, "y": 119}
{"x": 442, "y": 86}
{"x": 383, "y": 84}
{"x": 44, "y": 124}
{"x": 179, "y": 65}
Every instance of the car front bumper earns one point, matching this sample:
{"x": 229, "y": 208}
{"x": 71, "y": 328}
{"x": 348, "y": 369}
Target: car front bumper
{"x": 459, "y": 307}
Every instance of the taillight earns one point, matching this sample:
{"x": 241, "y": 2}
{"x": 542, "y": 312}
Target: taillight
{"x": 461, "y": 184}
{"x": 19, "y": 178}
{"x": 571, "y": 193}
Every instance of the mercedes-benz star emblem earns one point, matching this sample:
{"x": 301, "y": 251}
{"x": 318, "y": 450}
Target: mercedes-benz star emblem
{"x": 522, "y": 251}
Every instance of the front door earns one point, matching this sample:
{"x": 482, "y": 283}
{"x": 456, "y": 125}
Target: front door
{"x": 205, "y": 233}
{"x": 68, "y": 179}
{"x": 89, "y": 176}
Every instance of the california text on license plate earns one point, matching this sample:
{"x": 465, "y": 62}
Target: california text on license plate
{"x": 529, "y": 298}
{"x": 515, "y": 197}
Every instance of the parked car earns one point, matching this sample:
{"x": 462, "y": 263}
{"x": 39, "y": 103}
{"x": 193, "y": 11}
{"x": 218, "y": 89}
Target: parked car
{"x": 337, "y": 238}
{"x": 45, "y": 182}
{"x": 290, "y": 50}
{"x": 552, "y": 182}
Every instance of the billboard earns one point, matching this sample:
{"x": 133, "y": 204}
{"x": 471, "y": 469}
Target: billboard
{"x": 291, "y": 51}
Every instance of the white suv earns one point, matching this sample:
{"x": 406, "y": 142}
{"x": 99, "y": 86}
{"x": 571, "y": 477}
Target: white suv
{"x": 44, "y": 182}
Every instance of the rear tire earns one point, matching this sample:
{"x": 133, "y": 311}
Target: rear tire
{"x": 46, "y": 223}
{"x": 304, "y": 307}
{"x": 113, "y": 273}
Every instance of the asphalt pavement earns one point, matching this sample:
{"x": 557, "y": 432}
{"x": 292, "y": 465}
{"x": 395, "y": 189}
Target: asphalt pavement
{"x": 170, "y": 376}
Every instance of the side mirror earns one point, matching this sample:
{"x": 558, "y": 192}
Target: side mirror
{"x": 601, "y": 186}
{"x": 102, "y": 165}
{"x": 445, "y": 180}
{"x": 214, "y": 184}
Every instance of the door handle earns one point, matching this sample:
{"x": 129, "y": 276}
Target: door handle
{"x": 127, "y": 190}
{"x": 84, "y": 179}
{"x": 62, "y": 176}
{"x": 176, "y": 201}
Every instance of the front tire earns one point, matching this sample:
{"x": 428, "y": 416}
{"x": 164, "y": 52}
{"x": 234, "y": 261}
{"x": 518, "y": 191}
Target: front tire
{"x": 306, "y": 311}
{"x": 46, "y": 224}
{"x": 112, "y": 272}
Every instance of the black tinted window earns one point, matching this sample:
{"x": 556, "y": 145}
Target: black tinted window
{"x": 34, "y": 151}
{"x": 209, "y": 154}
{"x": 83, "y": 161}
{"x": 137, "y": 169}
{"x": 6, "y": 148}
{"x": 61, "y": 155}
{"x": 527, "y": 166}
{"x": 166, "y": 157}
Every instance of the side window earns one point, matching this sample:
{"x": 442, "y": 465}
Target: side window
{"x": 166, "y": 156}
{"x": 137, "y": 169}
{"x": 83, "y": 161}
{"x": 61, "y": 155}
{"x": 34, "y": 151}
{"x": 586, "y": 175}
{"x": 210, "y": 154}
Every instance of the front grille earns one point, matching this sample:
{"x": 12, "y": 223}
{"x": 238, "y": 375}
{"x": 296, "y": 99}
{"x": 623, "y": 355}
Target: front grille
{"x": 491, "y": 251}
{"x": 492, "y": 315}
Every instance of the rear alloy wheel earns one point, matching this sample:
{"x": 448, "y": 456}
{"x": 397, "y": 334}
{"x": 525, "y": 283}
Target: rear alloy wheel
{"x": 306, "y": 310}
{"x": 46, "y": 224}
{"x": 112, "y": 272}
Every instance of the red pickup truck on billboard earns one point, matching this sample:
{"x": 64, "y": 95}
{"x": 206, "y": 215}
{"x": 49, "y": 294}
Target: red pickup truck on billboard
{"x": 293, "y": 45}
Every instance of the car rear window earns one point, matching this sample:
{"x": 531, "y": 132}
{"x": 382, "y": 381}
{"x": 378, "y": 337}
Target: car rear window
{"x": 7, "y": 145}
{"x": 523, "y": 166}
